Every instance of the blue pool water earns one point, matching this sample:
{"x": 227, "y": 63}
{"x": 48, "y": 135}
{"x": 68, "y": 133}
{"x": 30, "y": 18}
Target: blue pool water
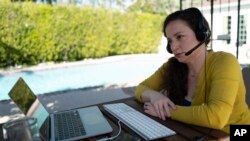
{"x": 75, "y": 77}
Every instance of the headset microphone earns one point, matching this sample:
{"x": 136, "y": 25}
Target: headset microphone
{"x": 195, "y": 47}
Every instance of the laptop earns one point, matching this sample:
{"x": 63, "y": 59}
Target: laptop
{"x": 67, "y": 125}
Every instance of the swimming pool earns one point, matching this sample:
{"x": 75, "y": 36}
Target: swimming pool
{"x": 74, "y": 77}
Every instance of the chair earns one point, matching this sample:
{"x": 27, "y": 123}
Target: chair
{"x": 246, "y": 77}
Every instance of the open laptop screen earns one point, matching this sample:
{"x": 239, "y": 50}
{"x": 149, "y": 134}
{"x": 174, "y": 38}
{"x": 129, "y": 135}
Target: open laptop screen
{"x": 27, "y": 101}
{"x": 22, "y": 95}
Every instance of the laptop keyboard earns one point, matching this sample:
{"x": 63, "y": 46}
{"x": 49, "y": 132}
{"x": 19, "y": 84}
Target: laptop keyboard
{"x": 68, "y": 125}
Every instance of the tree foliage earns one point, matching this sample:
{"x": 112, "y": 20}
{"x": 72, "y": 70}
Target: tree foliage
{"x": 34, "y": 33}
{"x": 155, "y": 6}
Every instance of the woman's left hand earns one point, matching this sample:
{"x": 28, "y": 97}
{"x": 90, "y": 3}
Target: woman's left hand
{"x": 149, "y": 109}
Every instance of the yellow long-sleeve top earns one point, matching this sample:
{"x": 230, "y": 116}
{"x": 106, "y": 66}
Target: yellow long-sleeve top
{"x": 225, "y": 94}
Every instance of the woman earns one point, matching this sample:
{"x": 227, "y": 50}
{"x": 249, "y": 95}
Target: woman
{"x": 195, "y": 86}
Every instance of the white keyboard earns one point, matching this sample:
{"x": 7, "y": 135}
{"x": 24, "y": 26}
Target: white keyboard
{"x": 138, "y": 122}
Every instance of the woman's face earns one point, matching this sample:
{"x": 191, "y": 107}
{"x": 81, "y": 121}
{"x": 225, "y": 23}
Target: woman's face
{"x": 181, "y": 39}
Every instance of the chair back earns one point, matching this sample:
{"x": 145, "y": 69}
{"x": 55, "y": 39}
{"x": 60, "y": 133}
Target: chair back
{"x": 246, "y": 77}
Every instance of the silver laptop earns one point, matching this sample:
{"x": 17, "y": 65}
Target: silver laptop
{"x": 60, "y": 126}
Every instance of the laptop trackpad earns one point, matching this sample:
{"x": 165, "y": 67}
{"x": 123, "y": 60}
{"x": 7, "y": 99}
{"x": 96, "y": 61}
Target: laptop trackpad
{"x": 91, "y": 119}
{"x": 94, "y": 121}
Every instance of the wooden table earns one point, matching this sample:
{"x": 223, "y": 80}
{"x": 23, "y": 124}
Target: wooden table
{"x": 185, "y": 132}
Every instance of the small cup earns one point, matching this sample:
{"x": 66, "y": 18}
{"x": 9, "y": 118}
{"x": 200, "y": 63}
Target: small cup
{"x": 24, "y": 129}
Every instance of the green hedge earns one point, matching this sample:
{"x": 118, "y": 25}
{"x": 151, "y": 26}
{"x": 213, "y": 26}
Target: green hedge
{"x": 34, "y": 33}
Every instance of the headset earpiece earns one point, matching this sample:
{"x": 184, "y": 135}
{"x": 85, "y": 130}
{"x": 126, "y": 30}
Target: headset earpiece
{"x": 202, "y": 33}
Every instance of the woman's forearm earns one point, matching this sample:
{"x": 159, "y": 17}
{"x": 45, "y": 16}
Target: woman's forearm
{"x": 147, "y": 95}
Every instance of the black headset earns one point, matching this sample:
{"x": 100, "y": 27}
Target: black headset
{"x": 202, "y": 33}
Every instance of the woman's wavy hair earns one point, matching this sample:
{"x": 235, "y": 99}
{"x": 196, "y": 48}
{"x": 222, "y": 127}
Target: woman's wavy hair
{"x": 175, "y": 80}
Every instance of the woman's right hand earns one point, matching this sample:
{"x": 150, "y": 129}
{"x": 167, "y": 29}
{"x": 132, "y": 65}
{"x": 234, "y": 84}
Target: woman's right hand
{"x": 162, "y": 105}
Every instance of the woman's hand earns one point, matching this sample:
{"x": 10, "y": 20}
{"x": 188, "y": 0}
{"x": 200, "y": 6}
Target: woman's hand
{"x": 159, "y": 105}
{"x": 149, "y": 109}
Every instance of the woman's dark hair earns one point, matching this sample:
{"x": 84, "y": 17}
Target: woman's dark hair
{"x": 194, "y": 19}
{"x": 175, "y": 80}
